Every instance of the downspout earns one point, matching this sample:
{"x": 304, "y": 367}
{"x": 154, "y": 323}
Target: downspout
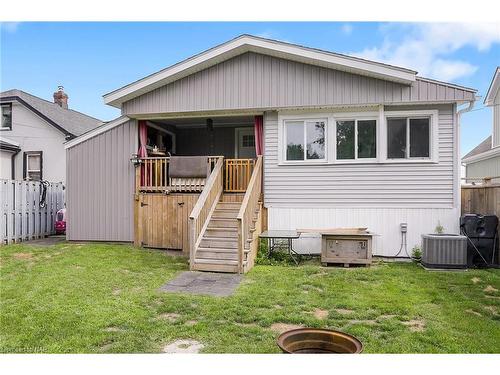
{"x": 13, "y": 164}
{"x": 458, "y": 163}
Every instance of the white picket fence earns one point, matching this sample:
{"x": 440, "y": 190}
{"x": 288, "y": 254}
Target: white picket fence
{"x": 22, "y": 218}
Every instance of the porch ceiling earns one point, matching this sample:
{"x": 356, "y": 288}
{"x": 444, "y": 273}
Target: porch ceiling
{"x": 202, "y": 121}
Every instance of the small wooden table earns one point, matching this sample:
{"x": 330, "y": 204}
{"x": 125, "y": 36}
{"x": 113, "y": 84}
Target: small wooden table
{"x": 288, "y": 235}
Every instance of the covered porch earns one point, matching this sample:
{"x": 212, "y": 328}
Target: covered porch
{"x": 199, "y": 189}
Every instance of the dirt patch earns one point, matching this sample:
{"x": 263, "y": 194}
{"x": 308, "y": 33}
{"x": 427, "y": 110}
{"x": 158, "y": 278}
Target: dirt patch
{"x": 24, "y": 256}
{"x": 491, "y": 297}
{"x": 319, "y": 274}
{"x": 106, "y": 346}
{"x": 344, "y": 311}
{"x": 490, "y": 289}
{"x": 491, "y": 309}
{"x": 116, "y": 291}
{"x": 246, "y": 325}
{"x": 184, "y": 346}
{"x": 415, "y": 325}
{"x": 475, "y": 280}
{"x": 470, "y": 311}
{"x": 278, "y": 307}
{"x": 320, "y": 314}
{"x": 191, "y": 323}
{"x": 113, "y": 329}
{"x": 387, "y": 316}
{"x": 368, "y": 322}
{"x": 171, "y": 317}
{"x": 283, "y": 327}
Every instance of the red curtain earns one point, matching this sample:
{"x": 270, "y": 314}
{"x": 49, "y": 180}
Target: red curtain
{"x": 143, "y": 152}
{"x": 258, "y": 129}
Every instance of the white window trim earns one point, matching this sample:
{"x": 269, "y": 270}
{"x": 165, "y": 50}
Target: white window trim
{"x": 433, "y": 133}
{"x": 356, "y": 117}
{"x": 282, "y": 138}
{"x": 379, "y": 116}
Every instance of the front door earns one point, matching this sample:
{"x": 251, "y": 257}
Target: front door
{"x": 245, "y": 143}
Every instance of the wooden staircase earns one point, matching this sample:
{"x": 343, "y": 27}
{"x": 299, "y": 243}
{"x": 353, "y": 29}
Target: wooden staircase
{"x": 218, "y": 249}
{"x": 225, "y": 227}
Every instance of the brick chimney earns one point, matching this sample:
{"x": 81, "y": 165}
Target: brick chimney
{"x": 61, "y": 98}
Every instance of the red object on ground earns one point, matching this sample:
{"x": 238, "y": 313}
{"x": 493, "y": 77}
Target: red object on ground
{"x": 60, "y": 225}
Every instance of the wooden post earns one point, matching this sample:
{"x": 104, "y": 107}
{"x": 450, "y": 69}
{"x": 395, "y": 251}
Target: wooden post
{"x": 137, "y": 210}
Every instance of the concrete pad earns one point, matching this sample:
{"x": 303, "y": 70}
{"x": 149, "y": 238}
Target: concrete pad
{"x": 204, "y": 283}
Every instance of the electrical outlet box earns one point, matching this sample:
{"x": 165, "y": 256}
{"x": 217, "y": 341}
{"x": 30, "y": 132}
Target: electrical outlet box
{"x": 404, "y": 227}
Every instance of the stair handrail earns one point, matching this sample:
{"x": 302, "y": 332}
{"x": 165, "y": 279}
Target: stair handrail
{"x": 204, "y": 207}
{"x": 248, "y": 208}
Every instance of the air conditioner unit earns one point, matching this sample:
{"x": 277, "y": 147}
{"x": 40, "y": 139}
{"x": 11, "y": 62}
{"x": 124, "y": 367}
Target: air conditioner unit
{"x": 447, "y": 251}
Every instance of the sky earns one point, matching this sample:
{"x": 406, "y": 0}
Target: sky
{"x": 91, "y": 59}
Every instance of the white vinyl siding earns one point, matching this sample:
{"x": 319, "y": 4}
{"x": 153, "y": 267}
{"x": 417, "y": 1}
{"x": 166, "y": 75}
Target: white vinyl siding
{"x": 495, "y": 139}
{"x": 484, "y": 168}
{"x": 419, "y": 184}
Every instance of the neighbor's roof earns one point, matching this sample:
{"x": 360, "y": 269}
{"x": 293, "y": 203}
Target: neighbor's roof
{"x": 480, "y": 148}
{"x": 493, "y": 89}
{"x": 70, "y": 122}
{"x": 250, "y": 43}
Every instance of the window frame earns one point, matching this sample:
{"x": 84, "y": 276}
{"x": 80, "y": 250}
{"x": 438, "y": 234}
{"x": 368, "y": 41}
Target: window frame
{"x": 432, "y": 115}
{"x": 26, "y": 156}
{"x": 356, "y": 159}
{"x": 305, "y": 119}
{"x": 7, "y": 128}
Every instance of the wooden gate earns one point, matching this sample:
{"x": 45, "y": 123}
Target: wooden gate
{"x": 163, "y": 220}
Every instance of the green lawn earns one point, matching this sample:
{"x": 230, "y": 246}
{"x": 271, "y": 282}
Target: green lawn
{"x": 95, "y": 298}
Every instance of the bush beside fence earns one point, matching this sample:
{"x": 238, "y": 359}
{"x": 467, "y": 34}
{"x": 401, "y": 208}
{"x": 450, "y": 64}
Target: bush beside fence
{"x": 22, "y": 218}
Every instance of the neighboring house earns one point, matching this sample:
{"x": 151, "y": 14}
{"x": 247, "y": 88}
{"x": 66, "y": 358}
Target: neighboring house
{"x": 346, "y": 142}
{"x": 33, "y": 132}
{"x": 484, "y": 160}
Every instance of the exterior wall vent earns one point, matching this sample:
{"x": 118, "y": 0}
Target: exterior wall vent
{"x": 444, "y": 251}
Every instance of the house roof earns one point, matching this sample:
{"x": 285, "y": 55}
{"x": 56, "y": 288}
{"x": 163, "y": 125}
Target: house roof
{"x": 96, "y": 131}
{"x": 249, "y": 43}
{"x": 493, "y": 89}
{"x": 9, "y": 145}
{"x": 480, "y": 148}
{"x": 70, "y": 122}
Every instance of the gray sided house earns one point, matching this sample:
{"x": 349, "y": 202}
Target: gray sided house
{"x": 484, "y": 160}
{"x": 298, "y": 138}
{"x": 33, "y": 132}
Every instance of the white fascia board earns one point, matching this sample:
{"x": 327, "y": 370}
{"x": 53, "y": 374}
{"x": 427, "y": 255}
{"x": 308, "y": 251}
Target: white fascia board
{"x": 493, "y": 89}
{"x": 273, "y": 48}
{"x": 96, "y": 131}
{"x": 482, "y": 156}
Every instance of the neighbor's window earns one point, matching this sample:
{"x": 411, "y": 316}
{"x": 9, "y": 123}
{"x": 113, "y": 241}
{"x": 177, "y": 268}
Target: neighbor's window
{"x": 305, "y": 139}
{"x": 356, "y": 139}
{"x": 248, "y": 140}
{"x": 33, "y": 165}
{"x": 408, "y": 138}
{"x": 6, "y": 109}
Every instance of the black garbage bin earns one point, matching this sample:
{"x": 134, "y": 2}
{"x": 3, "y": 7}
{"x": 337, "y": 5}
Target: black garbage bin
{"x": 482, "y": 244}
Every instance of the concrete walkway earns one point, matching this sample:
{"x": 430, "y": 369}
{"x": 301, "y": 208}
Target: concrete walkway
{"x": 204, "y": 283}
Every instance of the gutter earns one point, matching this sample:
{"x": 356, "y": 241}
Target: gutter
{"x": 458, "y": 164}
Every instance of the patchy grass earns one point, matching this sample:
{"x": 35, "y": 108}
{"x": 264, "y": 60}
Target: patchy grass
{"x": 96, "y": 298}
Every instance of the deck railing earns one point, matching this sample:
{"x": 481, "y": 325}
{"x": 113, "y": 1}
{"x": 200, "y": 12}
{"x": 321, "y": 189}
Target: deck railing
{"x": 202, "y": 211}
{"x": 237, "y": 174}
{"x": 249, "y": 208}
{"x": 154, "y": 176}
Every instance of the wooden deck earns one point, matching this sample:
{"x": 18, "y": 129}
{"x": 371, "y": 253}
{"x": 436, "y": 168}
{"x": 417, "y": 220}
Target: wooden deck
{"x": 216, "y": 222}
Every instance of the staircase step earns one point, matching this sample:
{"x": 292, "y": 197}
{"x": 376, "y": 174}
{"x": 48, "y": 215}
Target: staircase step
{"x": 223, "y": 222}
{"x": 230, "y": 214}
{"x": 216, "y": 255}
{"x": 221, "y": 232}
{"x": 219, "y": 243}
{"x": 217, "y": 249}
{"x": 229, "y": 205}
{"x": 215, "y": 265}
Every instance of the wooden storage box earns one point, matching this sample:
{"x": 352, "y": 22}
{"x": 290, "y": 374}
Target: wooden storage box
{"x": 346, "y": 249}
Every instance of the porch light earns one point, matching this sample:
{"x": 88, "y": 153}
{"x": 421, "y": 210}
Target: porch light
{"x": 136, "y": 161}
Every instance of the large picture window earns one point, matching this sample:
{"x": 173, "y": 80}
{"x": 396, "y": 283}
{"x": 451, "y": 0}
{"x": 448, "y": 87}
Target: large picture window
{"x": 408, "y": 138}
{"x": 305, "y": 140}
{"x": 356, "y": 139}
